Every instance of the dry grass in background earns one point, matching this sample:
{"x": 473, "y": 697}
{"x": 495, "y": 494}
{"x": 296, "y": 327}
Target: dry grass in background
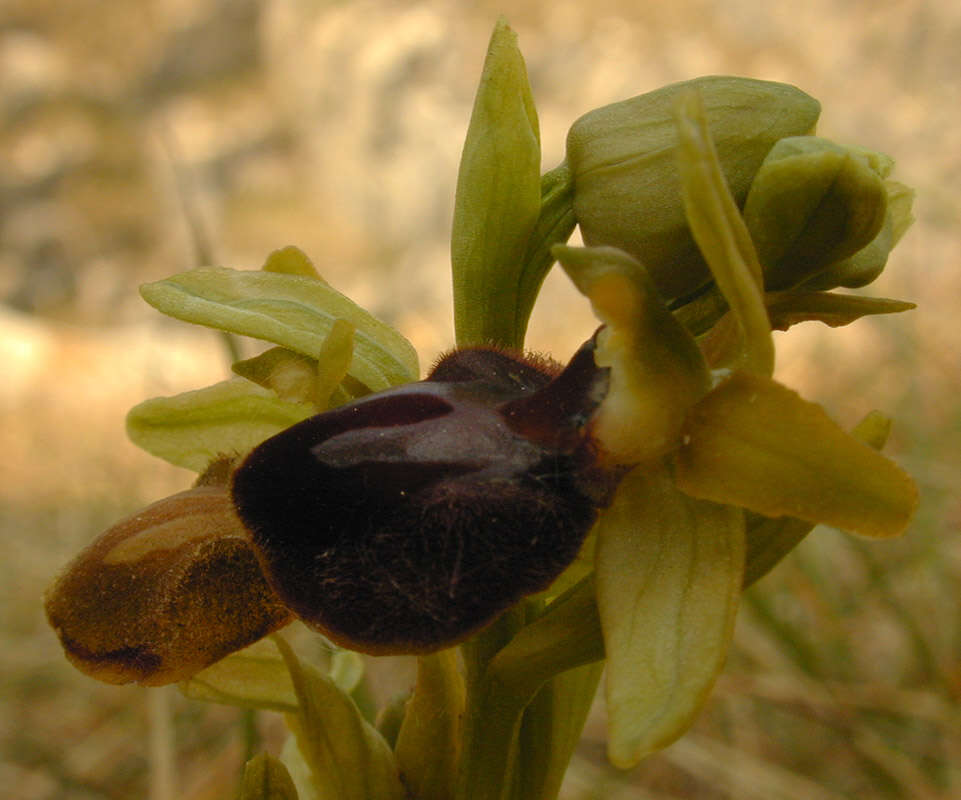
{"x": 337, "y": 126}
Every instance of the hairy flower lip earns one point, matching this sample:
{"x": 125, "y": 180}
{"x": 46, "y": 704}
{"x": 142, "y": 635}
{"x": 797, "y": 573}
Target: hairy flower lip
{"x": 409, "y": 519}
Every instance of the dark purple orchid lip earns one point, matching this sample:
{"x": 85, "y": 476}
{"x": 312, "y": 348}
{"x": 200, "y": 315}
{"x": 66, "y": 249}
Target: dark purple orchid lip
{"x": 406, "y": 520}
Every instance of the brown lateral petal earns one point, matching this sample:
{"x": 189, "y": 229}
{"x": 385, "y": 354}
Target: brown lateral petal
{"x": 164, "y": 593}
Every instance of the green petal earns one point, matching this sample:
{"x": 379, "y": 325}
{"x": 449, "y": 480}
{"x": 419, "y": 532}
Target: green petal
{"x": 427, "y": 748}
{"x": 293, "y": 311}
{"x": 789, "y": 308}
{"x": 721, "y": 235}
{"x": 669, "y": 572}
{"x": 266, "y": 778}
{"x": 754, "y": 443}
{"x": 194, "y": 428}
{"x": 348, "y": 758}
{"x": 657, "y": 370}
{"x": 498, "y": 200}
{"x": 811, "y": 204}
{"x": 255, "y": 677}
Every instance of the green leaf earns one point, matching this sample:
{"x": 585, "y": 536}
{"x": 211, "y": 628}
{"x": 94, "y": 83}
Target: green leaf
{"x": 255, "y": 677}
{"x": 266, "y": 778}
{"x": 754, "y": 443}
{"x": 657, "y": 370}
{"x": 428, "y": 745}
{"x": 293, "y": 311}
{"x": 497, "y": 202}
{"x": 789, "y": 308}
{"x": 721, "y": 235}
{"x": 194, "y": 428}
{"x": 812, "y": 203}
{"x": 669, "y": 572}
{"x": 348, "y": 758}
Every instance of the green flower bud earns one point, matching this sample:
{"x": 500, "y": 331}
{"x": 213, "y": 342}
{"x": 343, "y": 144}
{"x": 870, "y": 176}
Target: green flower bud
{"x": 627, "y": 190}
{"x": 814, "y": 203}
{"x": 866, "y": 264}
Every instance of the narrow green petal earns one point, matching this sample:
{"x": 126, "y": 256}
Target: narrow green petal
{"x": 428, "y": 745}
{"x": 498, "y": 199}
{"x": 657, "y": 370}
{"x": 754, "y": 443}
{"x": 789, "y": 308}
{"x": 194, "y": 428}
{"x": 348, "y": 758}
{"x": 669, "y": 573}
{"x": 294, "y": 311}
{"x": 721, "y": 235}
{"x": 266, "y": 778}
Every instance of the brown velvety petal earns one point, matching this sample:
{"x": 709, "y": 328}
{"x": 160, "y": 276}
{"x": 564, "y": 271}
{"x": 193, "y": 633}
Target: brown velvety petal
{"x": 164, "y": 593}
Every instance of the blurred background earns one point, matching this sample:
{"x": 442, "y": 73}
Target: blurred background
{"x": 135, "y": 134}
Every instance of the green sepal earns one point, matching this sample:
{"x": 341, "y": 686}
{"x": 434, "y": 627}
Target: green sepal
{"x": 347, "y": 757}
{"x": 428, "y": 744}
{"x": 669, "y": 574}
{"x": 811, "y": 204}
{"x": 194, "y": 428}
{"x": 294, "y": 311}
{"x": 789, "y": 308}
{"x": 627, "y": 193}
{"x": 721, "y": 235}
{"x": 266, "y": 778}
{"x": 770, "y": 539}
{"x": 657, "y": 370}
{"x": 756, "y": 444}
{"x": 497, "y": 202}
{"x": 255, "y": 677}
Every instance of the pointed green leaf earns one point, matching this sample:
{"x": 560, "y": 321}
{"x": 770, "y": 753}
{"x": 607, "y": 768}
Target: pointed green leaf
{"x": 789, "y": 308}
{"x": 255, "y": 677}
{"x": 669, "y": 572}
{"x": 194, "y": 428}
{"x": 754, "y": 443}
{"x": 428, "y": 745}
{"x": 657, "y": 370}
{"x": 348, "y": 758}
{"x": 293, "y": 311}
{"x": 721, "y": 235}
{"x": 498, "y": 200}
{"x": 266, "y": 778}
